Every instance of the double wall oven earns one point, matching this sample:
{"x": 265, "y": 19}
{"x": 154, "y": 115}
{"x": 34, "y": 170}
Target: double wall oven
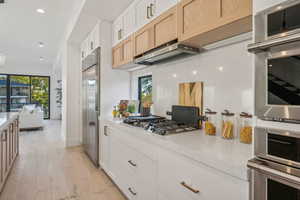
{"x": 275, "y": 170}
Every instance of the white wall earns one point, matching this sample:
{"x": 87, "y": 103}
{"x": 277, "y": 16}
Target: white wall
{"x": 115, "y": 84}
{"x": 230, "y": 88}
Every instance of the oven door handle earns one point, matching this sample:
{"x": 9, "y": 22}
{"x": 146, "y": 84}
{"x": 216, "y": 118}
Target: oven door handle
{"x": 259, "y": 166}
{"x": 280, "y": 141}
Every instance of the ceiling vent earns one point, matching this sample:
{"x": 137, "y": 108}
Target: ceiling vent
{"x": 2, "y": 1}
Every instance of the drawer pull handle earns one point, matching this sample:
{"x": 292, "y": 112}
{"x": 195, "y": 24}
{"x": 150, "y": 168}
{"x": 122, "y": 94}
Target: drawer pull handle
{"x": 189, "y": 187}
{"x": 131, "y": 163}
{"x": 132, "y": 192}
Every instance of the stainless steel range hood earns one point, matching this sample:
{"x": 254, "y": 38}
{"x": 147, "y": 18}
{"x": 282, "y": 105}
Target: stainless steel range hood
{"x": 162, "y": 54}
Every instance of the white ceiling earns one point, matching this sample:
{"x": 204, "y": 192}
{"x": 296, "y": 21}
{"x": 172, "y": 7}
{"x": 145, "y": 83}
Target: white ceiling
{"x": 92, "y": 11}
{"x": 22, "y": 28}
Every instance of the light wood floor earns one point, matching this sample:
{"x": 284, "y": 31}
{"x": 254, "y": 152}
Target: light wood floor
{"x": 45, "y": 170}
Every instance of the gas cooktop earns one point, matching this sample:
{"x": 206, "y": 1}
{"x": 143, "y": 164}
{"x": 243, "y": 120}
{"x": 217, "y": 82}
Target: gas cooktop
{"x": 159, "y": 125}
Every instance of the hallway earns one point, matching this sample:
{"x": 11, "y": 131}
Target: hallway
{"x": 45, "y": 170}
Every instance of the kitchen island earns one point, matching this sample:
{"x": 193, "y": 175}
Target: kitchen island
{"x": 178, "y": 166}
{"x": 9, "y": 143}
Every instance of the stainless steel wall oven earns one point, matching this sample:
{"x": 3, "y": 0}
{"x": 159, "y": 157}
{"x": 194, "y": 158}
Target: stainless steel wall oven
{"x": 277, "y": 62}
{"x": 275, "y": 172}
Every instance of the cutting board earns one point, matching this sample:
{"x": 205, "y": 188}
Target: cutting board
{"x": 191, "y": 94}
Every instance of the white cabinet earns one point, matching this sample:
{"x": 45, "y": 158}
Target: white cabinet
{"x": 163, "y": 5}
{"x": 104, "y": 148}
{"x": 84, "y": 48}
{"x": 144, "y": 12}
{"x": 124, "y": 25}
{"x": 181, "y": 178}
{"x": 128, "y": 22}
{"x": 145, "y": 171}
{"x": 91, "y": 42}
{"x": 118, "y": 30}
{"x": 132, "y": 171}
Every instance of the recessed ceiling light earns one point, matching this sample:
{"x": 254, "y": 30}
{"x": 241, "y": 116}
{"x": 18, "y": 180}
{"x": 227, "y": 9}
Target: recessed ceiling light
{"x": 41, "y": 58}
{"x": 279, "y": 7}
{"x": 220, "y": 68}
{"x": 41, "y": 44}
{"x": 39, "y": 10}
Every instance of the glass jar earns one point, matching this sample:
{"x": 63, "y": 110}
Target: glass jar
{"x": 245, "y": 128}
{"x": 211, "y": 122}
{"x": 228, "y": 125}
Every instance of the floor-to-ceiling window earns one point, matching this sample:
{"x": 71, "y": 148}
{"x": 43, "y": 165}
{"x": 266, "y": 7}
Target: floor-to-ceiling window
{"x": 19, "y": 90}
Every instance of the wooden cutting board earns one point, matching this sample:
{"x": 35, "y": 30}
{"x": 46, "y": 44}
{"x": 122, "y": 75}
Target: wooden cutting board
{"x": 191, "y": 94}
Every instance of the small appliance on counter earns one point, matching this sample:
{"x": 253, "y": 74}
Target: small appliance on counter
{"x": 183, "y": 119}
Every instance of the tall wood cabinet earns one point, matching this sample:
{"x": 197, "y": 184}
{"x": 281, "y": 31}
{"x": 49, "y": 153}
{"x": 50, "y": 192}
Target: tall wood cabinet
{"x": 9, "y": 149}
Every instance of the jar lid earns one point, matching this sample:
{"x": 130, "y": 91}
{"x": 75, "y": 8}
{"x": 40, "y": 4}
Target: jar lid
{"x": 227, "y": 113}
{"x": 245, "y": 115}
{"x": 210, "y": 112}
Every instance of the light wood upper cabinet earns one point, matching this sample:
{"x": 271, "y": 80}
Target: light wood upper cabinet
{"x": 160, "y": 31}
{"x": 165, "y": 27}
{"x": 197, "y": 16}
{"x": 232, "y": 10}
{"x": 123, "y": 53}
{"x": 143, "y": 40}
{"x": 117, "y": 56}
{"x": 128, "y": 50}
{"x": 202, "y": 22}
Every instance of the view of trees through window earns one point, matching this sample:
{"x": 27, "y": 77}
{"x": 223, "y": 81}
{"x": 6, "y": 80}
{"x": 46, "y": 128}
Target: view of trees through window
{"x": 17, "y": 91}
{"x": 145, "y": 89}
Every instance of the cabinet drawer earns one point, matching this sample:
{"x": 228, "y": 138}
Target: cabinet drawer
{"x": 180, "y": 178}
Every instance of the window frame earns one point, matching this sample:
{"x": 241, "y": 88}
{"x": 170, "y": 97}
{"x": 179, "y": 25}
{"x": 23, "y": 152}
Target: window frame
{"x": 140, "y": 88}
{"x": 8, "y": 94}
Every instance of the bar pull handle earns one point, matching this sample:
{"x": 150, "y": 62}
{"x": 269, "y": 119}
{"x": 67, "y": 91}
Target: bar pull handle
{"x": 280, "y": 142}
{"x": 148, "y": 11}
{"x": 105, "y": 131}
{"x": 151, "y": 9}
{"x": 5, "y": 137}
{"x": 132, "y": 163}
{"x": 189, "y": 187}
{"x": 132, "y": 192}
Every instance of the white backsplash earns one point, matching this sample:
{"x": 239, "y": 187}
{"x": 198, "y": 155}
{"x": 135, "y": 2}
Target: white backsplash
{"x": 227, "y": 73}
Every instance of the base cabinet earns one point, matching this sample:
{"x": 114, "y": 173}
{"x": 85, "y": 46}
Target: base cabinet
{"x": 133, "y": 172}
{"x": 9, "y": 149}
{"x": 146, "y": 171}
{"x": 180, "y": 178}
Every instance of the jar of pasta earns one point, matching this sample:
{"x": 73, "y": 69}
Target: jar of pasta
{"x": 245, "y": 128}
{"x": 228, "y": 125}
{"x": 211, "y": 122}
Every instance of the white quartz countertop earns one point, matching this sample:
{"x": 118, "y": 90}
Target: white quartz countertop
{"x": 6, "y": 118}
{"x": 228, "y": 156}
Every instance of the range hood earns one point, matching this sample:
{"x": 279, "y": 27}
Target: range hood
{"x": 165, "y": 53}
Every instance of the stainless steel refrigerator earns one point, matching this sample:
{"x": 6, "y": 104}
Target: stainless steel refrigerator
{"x": 91, "y": 105}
